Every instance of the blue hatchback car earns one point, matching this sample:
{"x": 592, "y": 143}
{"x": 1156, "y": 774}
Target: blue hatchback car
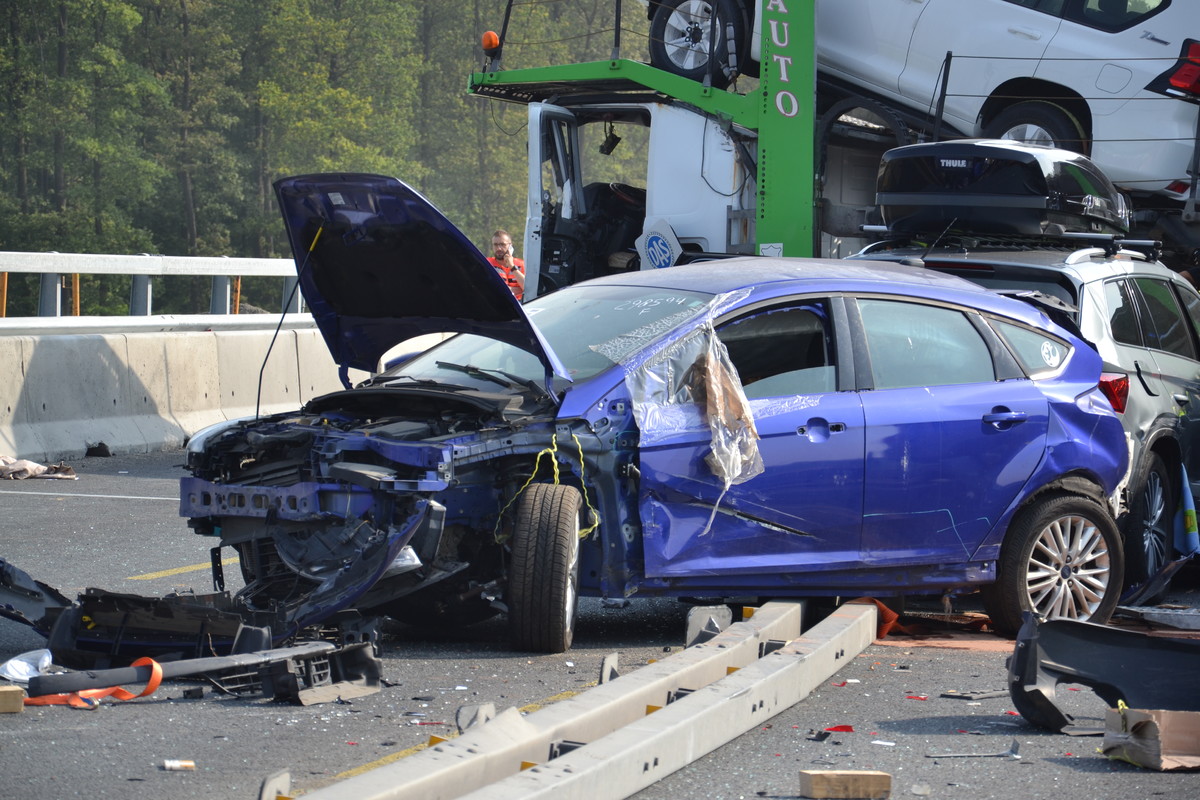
{"x": 748, "y": 427}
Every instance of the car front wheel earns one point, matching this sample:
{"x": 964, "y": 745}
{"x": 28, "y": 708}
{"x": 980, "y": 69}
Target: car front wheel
{"x": 1148, "y": 532}
{"x": 1039, "y": 122}
{"x": 1061, "y": 559}
{"x": 544, "y": 574}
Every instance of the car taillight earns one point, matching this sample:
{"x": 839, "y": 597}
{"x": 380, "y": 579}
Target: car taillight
{"x": 1186, "y": 77}
{"x": 1115, "y": 386}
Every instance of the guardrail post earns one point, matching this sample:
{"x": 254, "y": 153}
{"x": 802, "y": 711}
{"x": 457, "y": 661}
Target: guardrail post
{"x": 140, "y": 296}
{"x": 291, "y": 296}
{"x": 221, "y": 298}
{"x": 50, "y": 296}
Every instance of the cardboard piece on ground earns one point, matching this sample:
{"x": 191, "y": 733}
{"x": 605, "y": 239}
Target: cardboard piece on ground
{"x": 12, "y": 699}
{"x": 1155, "y": 739}
{"x": 847, "y": 784}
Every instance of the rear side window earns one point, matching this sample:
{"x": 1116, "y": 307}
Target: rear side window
{"x": 1053, "y": 7}
{"x": 1123, "y": 320}
{"x": 919, "y": 345}
{"x": 1113, "y": 15}
{"x": 1040, "y": 354}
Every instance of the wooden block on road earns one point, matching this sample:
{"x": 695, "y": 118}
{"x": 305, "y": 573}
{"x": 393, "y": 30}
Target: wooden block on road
{"x": 12, "y": 699}
{"x": 846, "y": 784}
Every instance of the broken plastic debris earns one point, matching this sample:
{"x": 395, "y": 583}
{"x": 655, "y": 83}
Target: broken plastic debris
{"x": 916, "y": 697}
{"x": 1011, "y": 752}
{"x": 841, "y": 729}
{"x": 19, "y": 669}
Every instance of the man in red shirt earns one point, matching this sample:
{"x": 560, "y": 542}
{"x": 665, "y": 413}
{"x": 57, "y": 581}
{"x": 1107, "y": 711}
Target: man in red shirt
{"x": 511, "y": 269}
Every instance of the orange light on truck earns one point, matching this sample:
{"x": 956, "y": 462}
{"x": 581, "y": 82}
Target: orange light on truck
{"x": 491, "y": 43}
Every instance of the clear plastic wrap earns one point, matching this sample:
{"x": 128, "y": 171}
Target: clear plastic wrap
{"x": 692, "y": 383}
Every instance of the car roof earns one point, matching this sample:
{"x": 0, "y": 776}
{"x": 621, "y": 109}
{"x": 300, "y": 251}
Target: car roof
{"x": 770, "y": 277}
{"x": 726, "y": 275}
{"x": 1083, "y": 265}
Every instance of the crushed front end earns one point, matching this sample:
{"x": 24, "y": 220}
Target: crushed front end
{"x": 381, "y": 498}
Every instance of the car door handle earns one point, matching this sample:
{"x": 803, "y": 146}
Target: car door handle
{"x": 1181, "y": 399}
{"x": 1003, "y": 420}
{"x": 818, "y": 430}
{"x": 1142, "y": 378}
{"x": 1028, "y": 33}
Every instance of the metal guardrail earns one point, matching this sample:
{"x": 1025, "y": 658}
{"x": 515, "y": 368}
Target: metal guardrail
{"x": 53, "y": 266}
{"x": 161, "y": 323}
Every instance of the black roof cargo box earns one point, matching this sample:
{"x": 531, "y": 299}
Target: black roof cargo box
{"x": 987, "y": 186}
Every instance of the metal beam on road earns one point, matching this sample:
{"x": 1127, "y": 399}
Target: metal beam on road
{"x": 491, "y": 755}
{"x": 652, "y": 748}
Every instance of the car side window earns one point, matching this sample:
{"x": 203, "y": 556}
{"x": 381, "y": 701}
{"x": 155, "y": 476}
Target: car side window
{"x": 1192, "y": 304}
{"x": 782, "y": 351}
{"x": 1040, "y": 354}
{"x": 1053, "y": 7}
{"x": 913, "y": 344}
{"x": 1113, "y": 15}
{"x": 1122, "y": 314}
{"x": 1167, "y": 327}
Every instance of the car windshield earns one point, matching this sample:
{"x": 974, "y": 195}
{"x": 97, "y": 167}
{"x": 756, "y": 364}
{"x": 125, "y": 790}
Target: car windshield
{"x": 590, "y": 328}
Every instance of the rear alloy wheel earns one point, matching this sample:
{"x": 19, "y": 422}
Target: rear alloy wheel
{"x": 544, "y": 576}
{"x": 1149, "y": 527}
{"x": 680, "y": 39}
{"x": 1039, "y": 122}
{"x": 1061, "y": 559}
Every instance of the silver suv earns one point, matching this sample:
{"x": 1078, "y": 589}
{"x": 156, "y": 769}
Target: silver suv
{"x": 972, "y": 209}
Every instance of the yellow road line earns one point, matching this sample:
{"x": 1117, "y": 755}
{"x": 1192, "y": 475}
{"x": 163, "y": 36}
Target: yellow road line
{"x": 554, "y": 698}
{"x": 166, "y": 573}
{"x": 379, "y": 762}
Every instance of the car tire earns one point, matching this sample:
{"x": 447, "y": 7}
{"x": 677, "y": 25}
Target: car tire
{"x": 1061, "y": 559}
{"x": 544, "y": 572}
{"x": 679, "y": 33}
{"x": 1039, "y": 122}
{"x": 1149, "y": 526}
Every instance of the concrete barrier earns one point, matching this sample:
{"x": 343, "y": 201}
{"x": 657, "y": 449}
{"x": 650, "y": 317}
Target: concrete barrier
{"x": 145, "y": 391}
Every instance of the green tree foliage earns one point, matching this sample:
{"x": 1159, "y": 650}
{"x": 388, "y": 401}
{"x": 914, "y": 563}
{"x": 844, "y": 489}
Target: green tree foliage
{"x": 159, "y": 126}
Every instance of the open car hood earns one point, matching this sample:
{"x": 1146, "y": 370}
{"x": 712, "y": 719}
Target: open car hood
{"x": 378, "y": 265}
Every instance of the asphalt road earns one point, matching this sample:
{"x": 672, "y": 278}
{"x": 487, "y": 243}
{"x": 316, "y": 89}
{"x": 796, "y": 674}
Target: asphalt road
{"x": 117, "y": 528}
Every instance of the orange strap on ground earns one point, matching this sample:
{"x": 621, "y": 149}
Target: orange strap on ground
{"x": 889, "y": 620}
{"x": 90, "y": 698}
